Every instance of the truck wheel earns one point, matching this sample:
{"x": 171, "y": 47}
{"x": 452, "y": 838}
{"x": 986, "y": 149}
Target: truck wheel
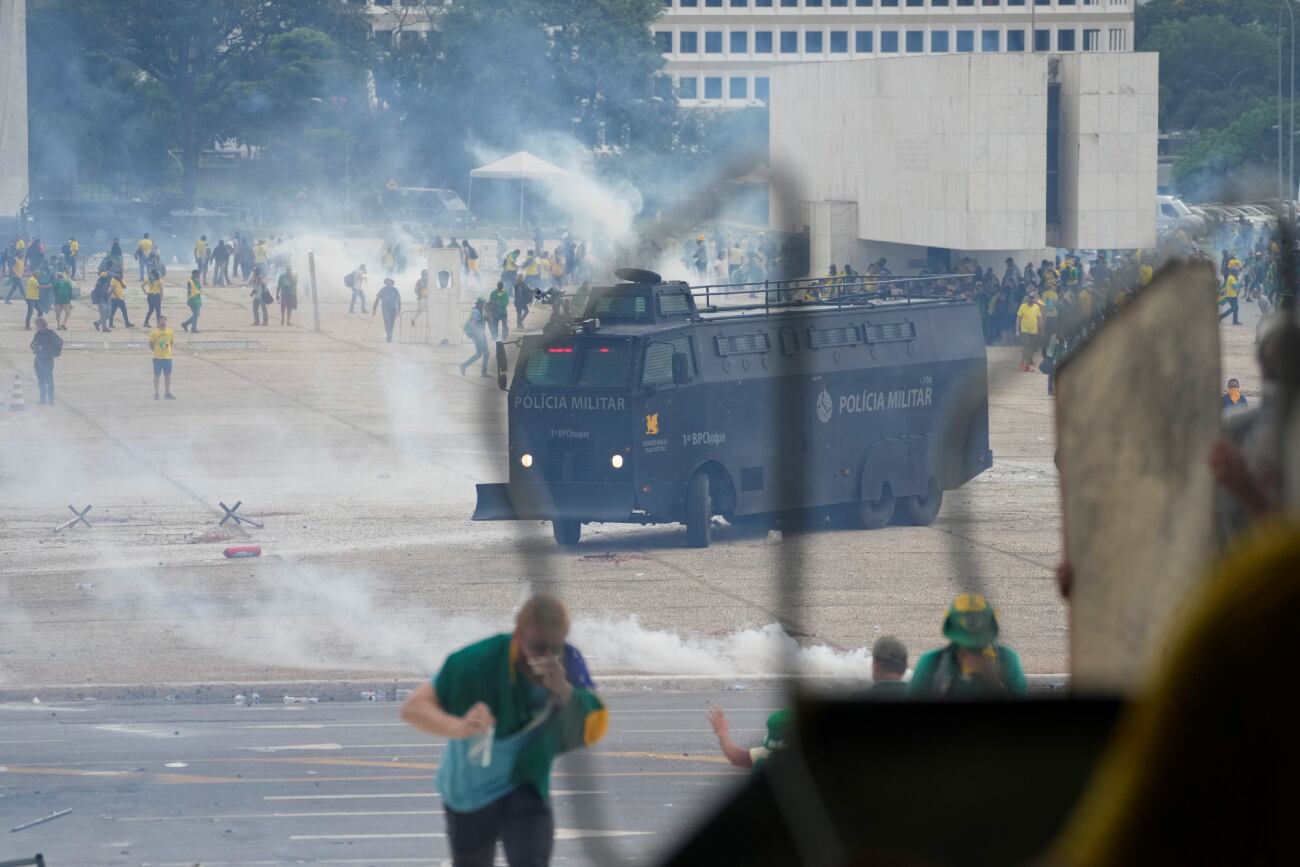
{"x": 699, "y": 512}
{"x": 922, "y": 509}
{"x": 567, "y": 532}
{"x": 871, "y": 514}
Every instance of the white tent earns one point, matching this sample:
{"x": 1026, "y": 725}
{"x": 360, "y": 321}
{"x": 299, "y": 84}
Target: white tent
{"x": 521, "y": 166}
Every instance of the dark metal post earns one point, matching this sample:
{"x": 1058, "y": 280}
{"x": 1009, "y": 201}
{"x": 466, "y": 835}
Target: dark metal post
{"x": 315, "y": 304}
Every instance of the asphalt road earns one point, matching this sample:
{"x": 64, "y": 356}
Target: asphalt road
{"x": 336, "y": 783}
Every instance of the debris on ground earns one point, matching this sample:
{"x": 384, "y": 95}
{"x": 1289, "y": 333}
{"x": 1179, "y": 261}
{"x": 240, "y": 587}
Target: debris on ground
{"x": 40, "y": 821}
{"x": 243, "y": 551}
{"x": 300, "y": 699}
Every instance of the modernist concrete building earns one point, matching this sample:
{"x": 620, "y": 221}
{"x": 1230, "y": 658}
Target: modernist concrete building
{"x": 13, "y": 106}
{"x": 719, "y": 52}
{"x": 924, "y": 159}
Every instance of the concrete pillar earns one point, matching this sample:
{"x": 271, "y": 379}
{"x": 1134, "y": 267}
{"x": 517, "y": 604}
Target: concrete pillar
{"x": 832, "y": 235}
{"x": 13, "y": 106}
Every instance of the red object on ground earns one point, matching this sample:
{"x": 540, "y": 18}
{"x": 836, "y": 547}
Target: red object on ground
{"x": 244, "y": 551}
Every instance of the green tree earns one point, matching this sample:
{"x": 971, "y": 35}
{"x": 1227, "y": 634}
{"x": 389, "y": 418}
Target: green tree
{"x": 1210, "y": 66}
{"x": 197, "y": 51}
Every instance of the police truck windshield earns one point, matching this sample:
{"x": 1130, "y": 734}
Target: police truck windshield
{"x": 584, "y": 364}
{"x": 622, "y": 307}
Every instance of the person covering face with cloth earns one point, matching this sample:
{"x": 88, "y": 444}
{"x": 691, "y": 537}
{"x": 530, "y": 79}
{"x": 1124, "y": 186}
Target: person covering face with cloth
{"x": 508, "y": 705}
{"x": 973, "y": 665}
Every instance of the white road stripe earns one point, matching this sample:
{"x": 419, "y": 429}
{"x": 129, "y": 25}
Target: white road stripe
{"x": 379, "y": 725}
{"x": 680, "y": 731}
{"x": 289, "y": 747}
{"x": 284, "y": 815}
{"x": 36, "y": 741}
{"x": 432, "y": 835}
{"x": 560, "y": 834}
{"x": 374, "y": 795}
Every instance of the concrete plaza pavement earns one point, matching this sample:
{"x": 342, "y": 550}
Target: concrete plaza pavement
{"x": 361, "y": 456}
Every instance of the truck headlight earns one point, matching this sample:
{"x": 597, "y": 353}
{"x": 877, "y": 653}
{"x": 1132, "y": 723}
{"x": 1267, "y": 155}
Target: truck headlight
{"x": 616, "y": 461}
{"x": 525, "y": 460}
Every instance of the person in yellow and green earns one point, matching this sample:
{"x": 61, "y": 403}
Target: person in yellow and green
{"x": 508, "y": 705}
{"x": 143, "y": 251}
{"x": 1228, "y": 295}
{"x": 973, "y": 664}
{"x": 201, "y": 256}
{"x": 116, "y": 302}
{"x": 779, "y": 723}
{"x": 153, "y": 296}
{"x": 1029, "y": 322}
{"x": 161, "y": 340}
{"x": 194, "y": 298}
{"x": 32, "y": 295}
{"x": 1051, "y": 302}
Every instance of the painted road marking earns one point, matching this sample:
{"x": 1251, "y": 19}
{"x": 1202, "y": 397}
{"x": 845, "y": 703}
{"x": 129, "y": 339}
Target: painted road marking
{"x": 36, "y": 741}
{"x": 316, "y": 747}
{"x": 554, "y": 792}
{"x": 132, "y": 729}
{"x": 282, "y": 815}
{"x": 560, "y": 834}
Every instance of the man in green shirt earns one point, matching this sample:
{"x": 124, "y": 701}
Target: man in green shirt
{"x": 62, "y": 301}
{"x": 973, "y": 665}
{"x": 508, "y": 706}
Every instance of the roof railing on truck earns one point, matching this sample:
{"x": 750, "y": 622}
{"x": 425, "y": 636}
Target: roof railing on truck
{"x": 858, "y": 290}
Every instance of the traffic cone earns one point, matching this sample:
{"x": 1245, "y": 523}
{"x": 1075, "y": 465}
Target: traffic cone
{"x": 16, "y": 402}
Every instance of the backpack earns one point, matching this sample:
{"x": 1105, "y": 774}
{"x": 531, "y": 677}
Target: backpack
{"x": 350, "y": 280}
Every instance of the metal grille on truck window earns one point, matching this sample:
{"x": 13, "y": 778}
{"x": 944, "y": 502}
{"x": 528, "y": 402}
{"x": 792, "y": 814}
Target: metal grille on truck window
{"x": 890, "y": 331}
{"x": 742, "y": 344}
{"x": 551, "y": 365}
{"x": 789, "y": 341}
{"x": 843, "y": 335}
{"x": 569, "y": 461}
{"x": 658, "y": 366}
{"x": 673, "y": 303}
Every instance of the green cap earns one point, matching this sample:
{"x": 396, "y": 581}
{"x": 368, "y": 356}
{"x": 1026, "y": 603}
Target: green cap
{"x": 971, "y": 622}
{"x": 778, "y": 729}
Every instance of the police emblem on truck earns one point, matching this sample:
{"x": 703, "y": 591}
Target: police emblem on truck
{"x": 652, "y": 424}
{"x": 824, "y": 406}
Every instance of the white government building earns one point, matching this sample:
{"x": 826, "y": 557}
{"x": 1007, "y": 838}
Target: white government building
{"x": 721, "y": 52}
{"x": 923, "y": 160}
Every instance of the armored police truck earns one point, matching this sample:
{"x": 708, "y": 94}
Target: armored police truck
{"x": 659, "y": 403}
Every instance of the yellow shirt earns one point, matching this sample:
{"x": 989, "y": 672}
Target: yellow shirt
{"x": 160, "y": 341}
{"x": 1028, "y": 316}
{"x": 20, "y": 245}
{"x": 192, "y": 288}
{"x": 1085, "y": 303}
{"x": 200, "y": 249}
{"x": 116, "y": 288}
{"x": 1050, "y": 300}
{"x": 1230, "y": 287}
{"x": 153, "y": 287}
{"x": 145, "y": 246}
{"x": 33, "y": 288}
{"x": 259, "y": 254}
{"x": 1145, "y": 273}
{"x": 74, "y": 247}
{"x": 19, "y": 267}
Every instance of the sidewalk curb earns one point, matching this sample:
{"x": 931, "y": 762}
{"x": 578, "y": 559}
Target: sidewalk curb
{"x": 386, "y": 689}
